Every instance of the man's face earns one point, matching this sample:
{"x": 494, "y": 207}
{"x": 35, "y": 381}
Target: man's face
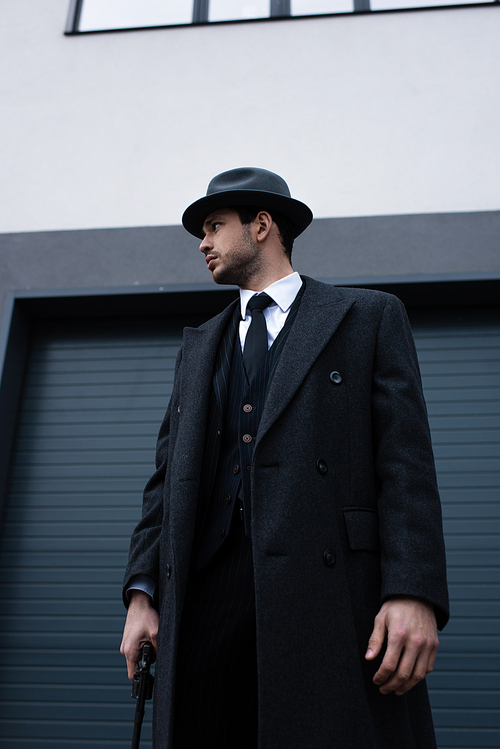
{"x": 231, "y": 254}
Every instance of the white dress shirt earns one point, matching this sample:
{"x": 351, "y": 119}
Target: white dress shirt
{"x": 283, "y": 293}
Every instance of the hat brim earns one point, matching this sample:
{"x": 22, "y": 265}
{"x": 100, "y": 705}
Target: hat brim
{"x": 194, "y": 216}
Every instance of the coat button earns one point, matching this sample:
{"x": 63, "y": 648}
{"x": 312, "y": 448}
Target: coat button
{"x": 247, "y": 408}
{"x": 247, "y": 438}
{"x": 336, "y": 377}
{"x": 168, "y": 571}
{"x": 321, "y": 466}
{"x": 329, "y": 558}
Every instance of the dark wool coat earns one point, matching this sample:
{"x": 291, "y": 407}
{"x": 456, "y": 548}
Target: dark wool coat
{"x": 345, "y": 514}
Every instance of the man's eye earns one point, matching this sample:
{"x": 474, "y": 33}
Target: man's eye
{"x": 216, "y": 225}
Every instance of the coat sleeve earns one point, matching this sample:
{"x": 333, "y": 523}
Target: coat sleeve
{"x": 144, "y": 548}
{"x": 412, "y": 545}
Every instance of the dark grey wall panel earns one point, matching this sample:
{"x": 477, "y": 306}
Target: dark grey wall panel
{"x": 355, "y": 247}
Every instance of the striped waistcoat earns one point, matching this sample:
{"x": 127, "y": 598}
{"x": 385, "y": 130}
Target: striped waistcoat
{"x": 235, "y": 411}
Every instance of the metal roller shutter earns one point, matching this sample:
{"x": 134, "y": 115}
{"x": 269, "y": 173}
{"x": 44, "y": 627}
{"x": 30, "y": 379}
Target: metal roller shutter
{"x": 459, "y": 354}
{"x": 94, "y": 397}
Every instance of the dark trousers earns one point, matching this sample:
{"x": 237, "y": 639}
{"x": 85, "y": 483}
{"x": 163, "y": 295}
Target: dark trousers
{"x": 216, "y": 687}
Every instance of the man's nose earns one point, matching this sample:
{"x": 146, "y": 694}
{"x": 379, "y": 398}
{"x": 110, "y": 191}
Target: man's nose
{"x": 205, "y": 245}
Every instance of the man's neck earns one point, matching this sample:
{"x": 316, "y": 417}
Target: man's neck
{"x": 261, "y": 283}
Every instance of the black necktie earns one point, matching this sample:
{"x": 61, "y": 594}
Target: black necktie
{"x": 256, "y": 340}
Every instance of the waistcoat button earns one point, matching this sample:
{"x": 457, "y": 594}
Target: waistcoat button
{"x": 222, "y": 533}
{"x": 247, "y": 438}
{"x": 228, "y": 499}
{"x": 321, "y": 466}
{"x": 247, "y": 408}
{"x": 236, "y": 469}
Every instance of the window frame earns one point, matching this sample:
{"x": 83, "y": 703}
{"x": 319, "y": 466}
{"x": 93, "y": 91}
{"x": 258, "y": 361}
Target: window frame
{"x": 279, "y": 9}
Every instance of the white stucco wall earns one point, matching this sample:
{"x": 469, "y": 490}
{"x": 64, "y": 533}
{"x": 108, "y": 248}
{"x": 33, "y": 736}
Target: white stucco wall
{"x": 369, "y": 115}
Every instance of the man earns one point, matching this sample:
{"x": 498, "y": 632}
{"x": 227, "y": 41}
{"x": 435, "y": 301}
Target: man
{"x": 289, "y": 565}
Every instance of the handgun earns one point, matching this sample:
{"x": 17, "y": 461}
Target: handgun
{"x": 142, "y": 689}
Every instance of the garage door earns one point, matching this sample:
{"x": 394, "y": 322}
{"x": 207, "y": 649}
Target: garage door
{"x": 94, "y": 397}
{"x": 459, "y": 354}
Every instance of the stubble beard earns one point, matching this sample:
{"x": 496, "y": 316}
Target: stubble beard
{"x": 242, "y": 263}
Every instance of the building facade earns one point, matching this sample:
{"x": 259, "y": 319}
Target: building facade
{"x": 386, "y": 124}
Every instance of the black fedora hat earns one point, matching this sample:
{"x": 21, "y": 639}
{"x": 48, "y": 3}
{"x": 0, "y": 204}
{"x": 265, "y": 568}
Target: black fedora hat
{"x": 247, "y": 186}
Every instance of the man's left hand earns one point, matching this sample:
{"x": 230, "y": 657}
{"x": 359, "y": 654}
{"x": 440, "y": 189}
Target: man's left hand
{"x": 412, "y": 643}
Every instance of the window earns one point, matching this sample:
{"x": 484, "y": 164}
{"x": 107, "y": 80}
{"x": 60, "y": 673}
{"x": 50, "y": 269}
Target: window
{"x": 102, "y": 15}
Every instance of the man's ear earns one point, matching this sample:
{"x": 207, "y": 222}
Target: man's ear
{"x": 264, "y": 223}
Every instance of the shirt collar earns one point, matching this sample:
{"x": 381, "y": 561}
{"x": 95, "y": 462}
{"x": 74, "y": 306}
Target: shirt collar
{"x": 282, "y": 292}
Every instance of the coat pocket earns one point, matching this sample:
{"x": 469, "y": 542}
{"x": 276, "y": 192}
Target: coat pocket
{"x": 362, "y": 528}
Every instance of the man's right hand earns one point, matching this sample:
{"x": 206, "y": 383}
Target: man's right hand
{"x": 141, "y": 625}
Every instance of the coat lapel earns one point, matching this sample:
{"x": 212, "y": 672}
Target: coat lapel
{"x": 198, "y": 362}
{"x": 321, "y": 311}
{"x": 198, "y": 358}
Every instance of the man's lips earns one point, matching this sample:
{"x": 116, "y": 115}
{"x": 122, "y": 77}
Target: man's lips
{"x": 210, "y": 261}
